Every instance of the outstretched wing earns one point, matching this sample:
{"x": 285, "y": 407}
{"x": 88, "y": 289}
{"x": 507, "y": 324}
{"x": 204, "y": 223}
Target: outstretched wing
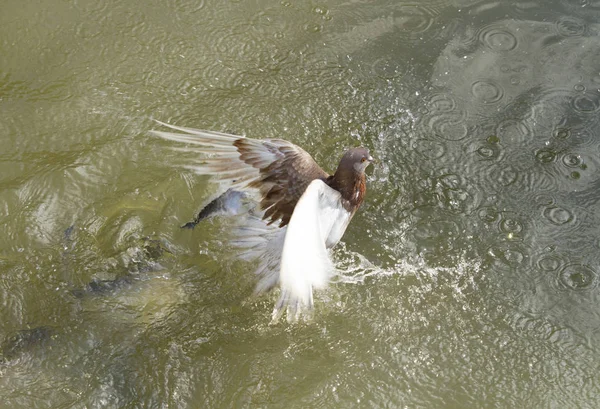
{"x": 279, "y": 170}
{"x": 305, "y": 262}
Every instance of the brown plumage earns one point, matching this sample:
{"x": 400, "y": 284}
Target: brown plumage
{"x": 302, "y": 210}
{"x": 350, "y": 181}
{"x": 284, "y": 180}
{"x": 278, "y": 169}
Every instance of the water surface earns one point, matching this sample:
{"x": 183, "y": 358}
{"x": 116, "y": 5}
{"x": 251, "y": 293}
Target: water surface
{"x": 469, "y": 278}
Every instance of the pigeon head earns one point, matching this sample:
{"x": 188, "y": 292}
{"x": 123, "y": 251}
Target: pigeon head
{"x": 356, "y": 159}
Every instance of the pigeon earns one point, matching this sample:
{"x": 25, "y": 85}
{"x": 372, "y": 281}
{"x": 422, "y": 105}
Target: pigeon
{"x": 298, "y": 212}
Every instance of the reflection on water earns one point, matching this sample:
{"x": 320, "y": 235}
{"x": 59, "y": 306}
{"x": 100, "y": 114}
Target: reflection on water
{"x": 468, "y": 279}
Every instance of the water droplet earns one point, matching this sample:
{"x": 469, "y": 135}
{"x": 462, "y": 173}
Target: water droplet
{"x": 557, "y": 215}
{"x": 570, "y": 27}
{"x": 586, "y": 104}
{"x": 497, "y": 39}
{"x": 312, "y": 28}
{"x": 579, "y": 87}
{"x": 320, "y": 10}
{"x": 511, "y": 226}
{"x": 486, "y": 152}
{"x": 513, "y": 257}
{"x": 572, "y": 160}
{"x": 575, "y": 175}
{"x": 545, "y": 155}
{"x": 562, "y": 133}
{"x": 413, "y": 18}
{"x": 488, "y": 214}
{"x": 577, "y": 277}
{"x": 493, "y": 139}
{"x": 549, "y": 263}
{"x": 507, "y": 254}
{"x": 442, "y": 103}
{"x": 487, "y": 92}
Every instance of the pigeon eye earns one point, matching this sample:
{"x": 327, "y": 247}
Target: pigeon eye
{"x": 363, "y": 159}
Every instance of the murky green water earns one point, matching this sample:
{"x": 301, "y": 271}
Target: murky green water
{"x": 469, "y": 278}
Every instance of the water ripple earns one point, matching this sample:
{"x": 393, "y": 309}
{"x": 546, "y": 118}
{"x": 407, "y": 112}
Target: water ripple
{"x": 489, "y": 152}
{"x": 449, "y": 125}
{"x": 386, "y": 68}
{"x": 558, "y": 216}
{"x": 587, "y": 104}
{"x": 442, "y": 103}
{"x": 487, "y": 91}
{"x": 550, "y": 262}
{"x": 429, "y": 149}
{"x": 577, "y": 277}
{"x": 413, "y": 18}
{"x": 489, "y": 214}
{"x": 508, "y": 254}
{"x": 497, "y": 38}
{"x": 502, "y": 175}
{"x": 570, "y": 26}
{"x": 573, "y": 160}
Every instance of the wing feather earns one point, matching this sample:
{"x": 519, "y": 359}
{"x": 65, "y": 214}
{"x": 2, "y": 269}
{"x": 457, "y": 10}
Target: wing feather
{"x": 305, "y": 262}
{"x": 279, "y": 170}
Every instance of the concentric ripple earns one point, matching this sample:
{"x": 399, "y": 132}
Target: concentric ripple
{"x": 570, "y": 26}
{"x": 504, "y": 175}
{"x": 488, "y": 151}
{"x": 385, "y": 68}
{"x": 429, "y": 149}
{"x": 549, "y": 263}
{"x": 572, "y": 160}
{"x": 558, "y": 216}
{"x": 577, "y": 277}
{"x": 509, "y": 254}
{"x": 562, "y": 133}
{"x": 487, "y": 91}
{"x": 413, "y": 18}
{"x": 513, "y": 131}
{"x": 449, "y": 125}
{"x": 489, "y": 214}
{"x": 545, "y": 155}
{"x": 587, "y": 104}
{"x": 497, "y": 38}
{"x": 442, "y": 103}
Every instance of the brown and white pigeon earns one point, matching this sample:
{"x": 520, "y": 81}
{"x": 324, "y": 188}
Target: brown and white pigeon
{"x": 302, "y": 211}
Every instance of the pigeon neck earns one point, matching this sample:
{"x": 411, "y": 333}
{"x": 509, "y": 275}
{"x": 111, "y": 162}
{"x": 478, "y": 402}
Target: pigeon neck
{"x": 351, "y": 185}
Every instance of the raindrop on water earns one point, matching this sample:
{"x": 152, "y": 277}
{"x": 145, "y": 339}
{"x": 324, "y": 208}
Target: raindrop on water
{"x": 572, "y": 160}
{"x": 545, "y": 155}
{"x": 497, "y": 39}
{"x": 557, "y": 215}
{"x": 577, "y": 277}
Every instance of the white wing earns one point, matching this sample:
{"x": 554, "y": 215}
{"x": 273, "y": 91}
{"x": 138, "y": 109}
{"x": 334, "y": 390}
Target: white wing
{"x": 305, "y": 262}
{"x": 257, "y": 240}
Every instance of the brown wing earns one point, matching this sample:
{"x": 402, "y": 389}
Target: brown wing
{"x": 284, "y": 180}
{"x": 279, "y": 170}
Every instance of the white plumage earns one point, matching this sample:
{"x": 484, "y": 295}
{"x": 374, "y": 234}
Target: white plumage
{"x": 286, "y": 186}
{"x": 316, "y": 224}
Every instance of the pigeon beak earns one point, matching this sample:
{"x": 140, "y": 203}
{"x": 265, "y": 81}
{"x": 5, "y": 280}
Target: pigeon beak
{"x": 371, "y": 160}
